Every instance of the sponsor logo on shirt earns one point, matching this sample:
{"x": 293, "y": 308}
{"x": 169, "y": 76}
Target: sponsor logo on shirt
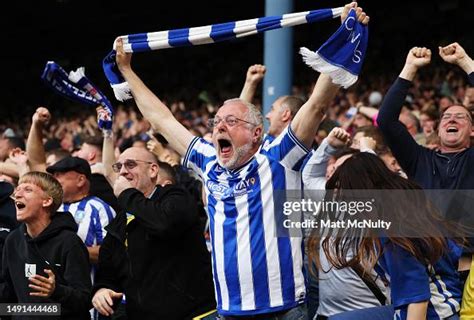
{"x": 220, "y": 191}
{"x": 30, "y": 270}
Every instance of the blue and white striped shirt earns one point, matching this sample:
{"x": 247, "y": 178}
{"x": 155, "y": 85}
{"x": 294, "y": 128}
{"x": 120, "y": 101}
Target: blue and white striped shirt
{"x": 413, "y": 282}
{"x": 254, "y": 271}
{"x": 92, "y": 214}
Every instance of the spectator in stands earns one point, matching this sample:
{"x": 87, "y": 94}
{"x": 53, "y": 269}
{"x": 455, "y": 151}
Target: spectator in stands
{"x": 367, "y": 131}
{"x": 55, "y": 155}
{"x": 448, "y": 167}
{"x": 44, "y": 261}
{"x": 429, "y": 119}
{"x": 240, "y": 177}
{"x": 410, "y": 121}
{"x": 356, "y": 293}
{"x": 283, "y": 108}
{"x": 8, "y": 143}
{"x": 8, "y": 220}
{"x": 91, "y": 151}
{"x": 165, "y": 154}
{"x": 431, "y": 169}
{"x": 91, "y": 213}
{"x": 421, "y": 272}
{"x": 154, "y": 248}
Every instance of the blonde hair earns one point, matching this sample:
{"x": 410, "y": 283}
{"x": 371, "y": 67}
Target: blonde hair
{"x": 48, "y": 184}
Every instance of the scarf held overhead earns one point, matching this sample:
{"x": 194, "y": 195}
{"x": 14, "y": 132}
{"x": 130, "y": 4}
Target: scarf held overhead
{"x": 203, "y": 35}
{"x": 77, "y": 87}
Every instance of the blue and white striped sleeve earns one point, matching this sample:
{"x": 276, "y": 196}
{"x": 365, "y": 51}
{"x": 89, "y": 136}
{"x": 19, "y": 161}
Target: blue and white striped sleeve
{"x": 199, "y": 154}
{"x": 288, "y": 150}
{"x": 103, "y": 216}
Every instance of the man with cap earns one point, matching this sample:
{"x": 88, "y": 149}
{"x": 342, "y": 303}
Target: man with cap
{"x": 91, "y": 213}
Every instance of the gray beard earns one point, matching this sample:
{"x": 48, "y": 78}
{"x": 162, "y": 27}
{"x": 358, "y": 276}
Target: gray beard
{"x": 239, "y": 154}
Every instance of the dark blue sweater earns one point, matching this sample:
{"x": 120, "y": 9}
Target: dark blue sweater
{"x": 431, "y": 169}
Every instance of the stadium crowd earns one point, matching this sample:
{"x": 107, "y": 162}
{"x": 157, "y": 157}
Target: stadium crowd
{"x": 172, "y": 213}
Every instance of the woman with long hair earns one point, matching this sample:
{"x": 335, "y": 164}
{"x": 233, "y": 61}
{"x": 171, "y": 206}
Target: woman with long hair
{"x": 413, "y": 256}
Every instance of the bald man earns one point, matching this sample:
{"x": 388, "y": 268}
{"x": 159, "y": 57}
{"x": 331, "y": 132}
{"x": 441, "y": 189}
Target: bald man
{"x": 154, "y": 251}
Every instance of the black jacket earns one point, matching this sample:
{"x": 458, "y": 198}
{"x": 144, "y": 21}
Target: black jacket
{"x": 8, "y": 220}
{"x": 57, "y": 248}
{"x": 7, "y": 207}
{"x": 159, "y": 259}
{"x": 102, "y": 189}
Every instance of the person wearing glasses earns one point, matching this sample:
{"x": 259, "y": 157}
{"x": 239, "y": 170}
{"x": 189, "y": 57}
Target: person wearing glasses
{"x": 154, "y": 256}
{"x": 256, "y": 271}
{"x": 448, "y": 167}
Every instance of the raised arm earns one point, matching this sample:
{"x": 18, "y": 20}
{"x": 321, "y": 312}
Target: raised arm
{"x": 455, "y": 54}
{"x": 152, "y": 108}
{"x": 108, "y": 155}
{"x": 34, "y": 144}
{"x": 314, "y": 172}
{"x": 368, "y": 111}
{"x": 307, "y": 120}
{"x": 20, "y": 158}
{"x": 255, "y": 74}
{"x": 402, "y": 144}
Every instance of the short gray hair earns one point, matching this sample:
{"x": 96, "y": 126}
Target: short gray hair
{"x": 253, "y": 115}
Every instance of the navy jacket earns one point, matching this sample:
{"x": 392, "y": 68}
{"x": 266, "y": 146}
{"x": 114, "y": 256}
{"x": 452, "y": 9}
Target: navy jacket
{"x": 431, "y": 169}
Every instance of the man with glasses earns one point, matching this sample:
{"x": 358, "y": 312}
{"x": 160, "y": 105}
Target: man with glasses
{"x": 255, "y": 271}
{"x": 448, "y": 167}
{"x": 154, "y": 252}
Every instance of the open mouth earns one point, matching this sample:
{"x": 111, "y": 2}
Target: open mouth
{"x": 19, "y": 205}
{"x": 451, "y": 129}
{"x": 224, "y": 145}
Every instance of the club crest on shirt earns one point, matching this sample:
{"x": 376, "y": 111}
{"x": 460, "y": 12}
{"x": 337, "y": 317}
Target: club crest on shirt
{"x": 79, "y": 215}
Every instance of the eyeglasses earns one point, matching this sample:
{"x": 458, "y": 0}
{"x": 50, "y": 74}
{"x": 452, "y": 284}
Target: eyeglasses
{"x": 229, "y": 120}
{"x": 457, "y": 116}
{"x": 129, "y": 164}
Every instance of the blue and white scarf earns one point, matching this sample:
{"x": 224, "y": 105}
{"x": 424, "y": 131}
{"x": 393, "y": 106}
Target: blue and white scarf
{"x": 77, "y": 87}
{"x": 220, "y": 32}
{"x": 342, "y": 55}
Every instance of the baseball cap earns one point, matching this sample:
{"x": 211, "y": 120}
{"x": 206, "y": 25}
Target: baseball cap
{"x": 71, "y": 164}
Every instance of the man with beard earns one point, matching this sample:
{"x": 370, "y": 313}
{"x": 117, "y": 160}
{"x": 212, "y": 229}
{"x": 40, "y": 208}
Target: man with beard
{"x": 255, "y": 272}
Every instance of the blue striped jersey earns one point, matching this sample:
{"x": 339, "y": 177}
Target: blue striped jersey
{"x": 267, "y": 140}
{"x": 92, "y": 214}
{"x": 254, "y": 271}
{"x": 411, "y": 281}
